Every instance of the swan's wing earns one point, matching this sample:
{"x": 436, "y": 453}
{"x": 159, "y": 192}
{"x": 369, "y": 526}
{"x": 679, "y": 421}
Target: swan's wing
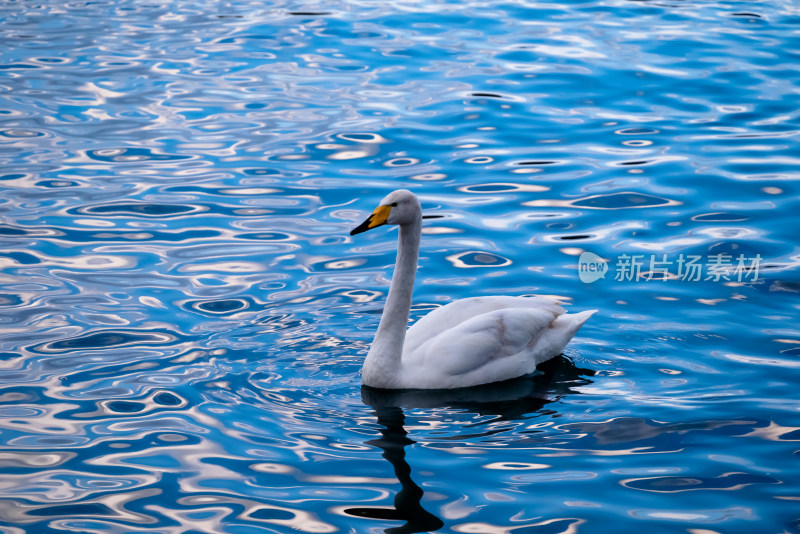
{"x": 493, "y": 345}
{"x": 449, "y": 316}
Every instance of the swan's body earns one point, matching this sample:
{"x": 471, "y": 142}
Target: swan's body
{"x": 468, "y": 342}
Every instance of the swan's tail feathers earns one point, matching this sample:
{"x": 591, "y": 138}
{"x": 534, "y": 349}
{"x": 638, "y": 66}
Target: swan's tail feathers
{"x": 559, "y": 333}
{"x": 572, "y": 322}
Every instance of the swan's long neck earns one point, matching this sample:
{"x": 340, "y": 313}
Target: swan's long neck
{"x": 384, "y": 358}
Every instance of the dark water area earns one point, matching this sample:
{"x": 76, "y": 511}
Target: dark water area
{"x": 183, "y": 314}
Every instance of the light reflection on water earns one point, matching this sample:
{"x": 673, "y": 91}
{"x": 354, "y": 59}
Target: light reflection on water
{"x": 184, "y": 314}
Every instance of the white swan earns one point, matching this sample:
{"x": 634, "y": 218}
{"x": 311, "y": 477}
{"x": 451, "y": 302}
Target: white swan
{"x": 468, "y": 342}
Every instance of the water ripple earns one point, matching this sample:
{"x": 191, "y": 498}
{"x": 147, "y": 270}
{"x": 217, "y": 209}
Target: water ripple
{"x": 185, "y": 313}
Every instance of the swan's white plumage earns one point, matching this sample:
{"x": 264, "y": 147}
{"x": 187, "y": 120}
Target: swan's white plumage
{"x": 468, "y": 342}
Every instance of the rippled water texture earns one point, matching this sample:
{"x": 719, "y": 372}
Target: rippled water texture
{"x": 184, "y": 314}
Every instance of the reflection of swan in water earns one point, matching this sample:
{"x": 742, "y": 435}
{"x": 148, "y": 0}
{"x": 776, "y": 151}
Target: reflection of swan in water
{"x": 468, "y": 342}
{"x": 512, "y": 399}
{"x": 407, "y": 505}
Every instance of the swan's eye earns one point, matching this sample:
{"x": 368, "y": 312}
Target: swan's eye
{"x": 394, "y": 204}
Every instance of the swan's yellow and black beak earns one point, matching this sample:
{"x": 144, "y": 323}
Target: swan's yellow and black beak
{"x": 376, "y": 218}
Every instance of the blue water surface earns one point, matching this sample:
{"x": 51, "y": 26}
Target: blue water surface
{"x": 184, "y": 315}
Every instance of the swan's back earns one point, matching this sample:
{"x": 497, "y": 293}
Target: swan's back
{"x": 485, "y": 339}
{"x": 454, "y": 313}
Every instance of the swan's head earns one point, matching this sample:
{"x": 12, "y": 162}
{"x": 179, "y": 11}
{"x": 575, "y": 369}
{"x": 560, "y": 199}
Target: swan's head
{"x": 399, "y": 207}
